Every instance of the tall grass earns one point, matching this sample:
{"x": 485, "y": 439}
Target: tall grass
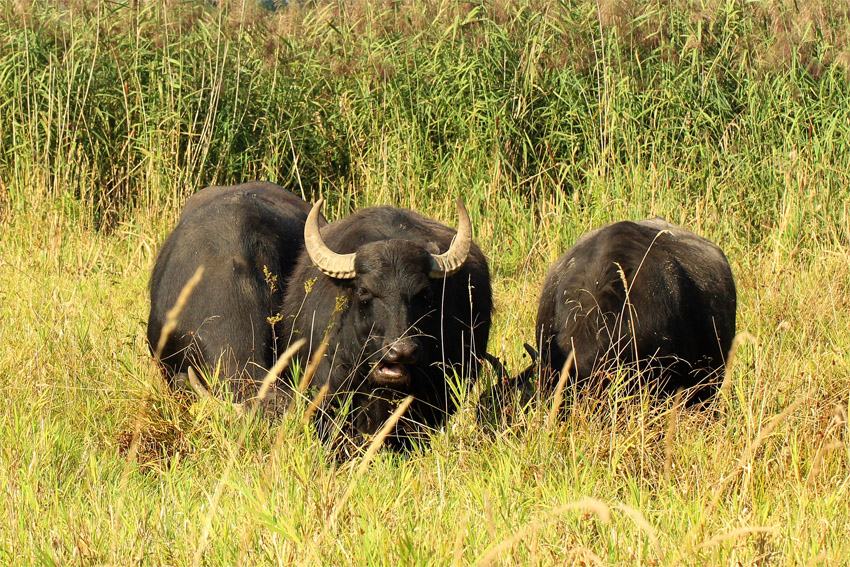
{"x": 548, "y": 118}
{"x": 124, "y": 104}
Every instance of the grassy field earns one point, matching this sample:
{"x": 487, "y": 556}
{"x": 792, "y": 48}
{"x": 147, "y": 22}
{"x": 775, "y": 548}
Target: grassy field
{"x": 548, "y": 118}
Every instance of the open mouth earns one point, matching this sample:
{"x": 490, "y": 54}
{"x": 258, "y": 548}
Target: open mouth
{"x": 392, "y": 374}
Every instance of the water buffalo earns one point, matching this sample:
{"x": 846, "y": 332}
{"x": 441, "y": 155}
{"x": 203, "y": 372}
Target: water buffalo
{"x": 647, "y": 295}
{"x": 403, "y": 304}
{"x": 247, "y": 238}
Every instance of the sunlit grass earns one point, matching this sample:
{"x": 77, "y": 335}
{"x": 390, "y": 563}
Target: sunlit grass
{"x": 548, "y": 119}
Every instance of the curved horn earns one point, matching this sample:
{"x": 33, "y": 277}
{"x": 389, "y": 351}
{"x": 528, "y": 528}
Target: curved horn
{"x": 443, "y": 265}
{"x": 328, "y": 262}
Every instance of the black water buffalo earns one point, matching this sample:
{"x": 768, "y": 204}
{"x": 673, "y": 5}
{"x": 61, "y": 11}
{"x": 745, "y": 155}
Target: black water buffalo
{"x": 646, "y": 295}
{"x": 403, "y": 303}
{"x": 247, "y": 238}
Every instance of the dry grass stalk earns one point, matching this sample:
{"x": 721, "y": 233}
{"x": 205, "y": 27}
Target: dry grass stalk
{"x": 274, "y": 458}
{"x": 670, "y": 434}
{"x": 457, "y": 554}
{"x": 841, "y": 418}
{"x": 720, "y": 538}
{"x": 488, "y": 515}
{"x": 171, "y": 319}
{"x": 278, "y": 367}
{"x": 740, "y": 466}
{"x": 312, "y": 366}
{"x": 374, "y": 445}
{"x": 590, "y": 504}
{"x": 751, "y": 449}
{"x": 271, "y": 376}
{"x": 173, "y": 314}
{"x": 314, "y": 404}
{"x": 302, "y": 386}
{"x": 739, "y": 339}
{"x": 582, "y": 556}
{"x": 817, "y": 463}
{"x": 643, "y": 524}
{"x": 282, "y": 362}
{"x": 559, "y": 389}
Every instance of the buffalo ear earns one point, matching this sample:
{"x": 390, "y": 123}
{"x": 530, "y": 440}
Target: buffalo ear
{"x": 432, "y": 248}
{"x": 532, "y": 352}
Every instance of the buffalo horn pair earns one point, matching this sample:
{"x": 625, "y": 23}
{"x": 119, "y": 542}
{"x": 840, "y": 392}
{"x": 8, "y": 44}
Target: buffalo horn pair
{"x": 341, "y": 266}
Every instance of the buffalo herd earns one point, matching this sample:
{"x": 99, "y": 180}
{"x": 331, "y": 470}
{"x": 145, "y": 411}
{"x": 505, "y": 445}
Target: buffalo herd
{"x": 392, "y": 304}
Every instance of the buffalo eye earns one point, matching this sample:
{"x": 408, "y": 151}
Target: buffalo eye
{"x": 424, "y": 296}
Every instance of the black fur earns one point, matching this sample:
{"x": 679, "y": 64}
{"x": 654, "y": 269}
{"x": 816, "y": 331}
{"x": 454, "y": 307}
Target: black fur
{"x": 235, "y": 233}
{"x": 676, "y": 328}
{"x": 391, "y": 298}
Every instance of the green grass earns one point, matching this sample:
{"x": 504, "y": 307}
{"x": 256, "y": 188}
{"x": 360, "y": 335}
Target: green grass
{"x": 548, "y": 118}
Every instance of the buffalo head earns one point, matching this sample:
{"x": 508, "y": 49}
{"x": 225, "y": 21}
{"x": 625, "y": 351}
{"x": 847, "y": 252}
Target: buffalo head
{"x": 396, "y": 313}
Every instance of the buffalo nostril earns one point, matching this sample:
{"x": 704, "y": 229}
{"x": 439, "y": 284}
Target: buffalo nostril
{"x": 404, "y": 352}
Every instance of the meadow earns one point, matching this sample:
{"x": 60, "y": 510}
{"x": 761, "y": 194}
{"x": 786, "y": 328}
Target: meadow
{"x": 549, "y": 118}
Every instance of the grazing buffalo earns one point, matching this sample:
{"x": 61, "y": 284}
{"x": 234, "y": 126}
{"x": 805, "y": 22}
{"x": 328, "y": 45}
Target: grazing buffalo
{"x": 403, "y": 304}
{"x": 647, "y": 295}
{"x": 247, "y": 238}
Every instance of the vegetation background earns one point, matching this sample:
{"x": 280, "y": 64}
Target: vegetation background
{"x": 548, "y": 117}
